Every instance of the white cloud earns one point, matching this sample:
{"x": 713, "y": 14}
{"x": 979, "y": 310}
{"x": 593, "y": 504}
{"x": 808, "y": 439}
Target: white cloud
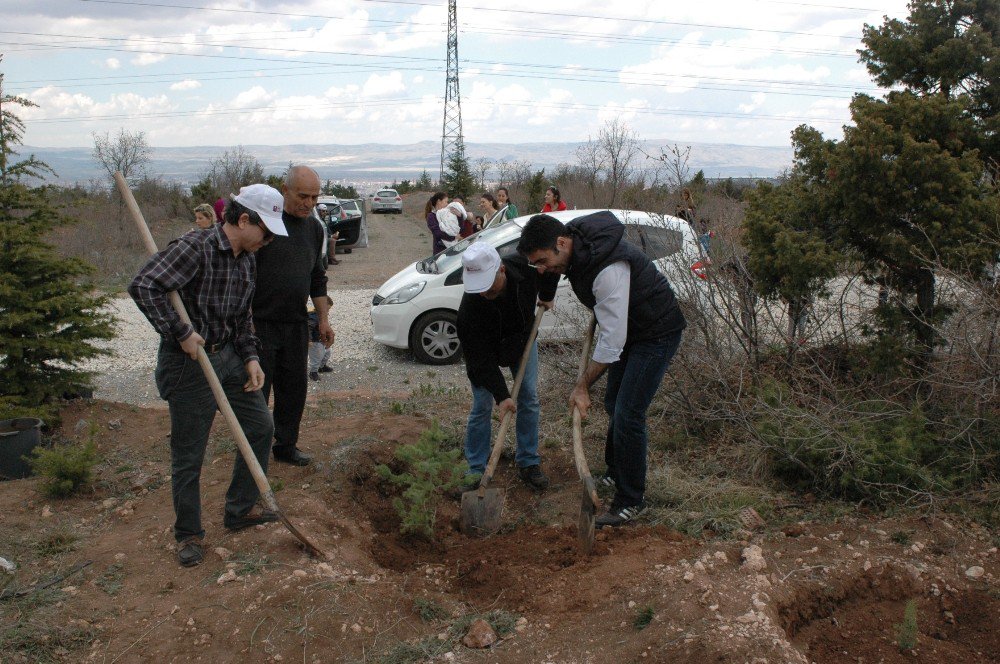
{"x": 112, "y": 63}
{"x": 146, "y": 59}
{"x": 187, "y": 84}
{"x": 379, "y": 85}
{"x": 252, "y": 98}
{"x": 756, "y": 101}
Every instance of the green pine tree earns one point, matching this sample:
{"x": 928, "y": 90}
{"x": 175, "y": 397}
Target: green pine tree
{"x": 50, "y": 318}
{"x": 458, "y": 180}
{"x": 424, "y": 183}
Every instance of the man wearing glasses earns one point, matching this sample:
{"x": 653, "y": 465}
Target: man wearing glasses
{"x": 640, "y": 330}
{"x": 213, "y": 270}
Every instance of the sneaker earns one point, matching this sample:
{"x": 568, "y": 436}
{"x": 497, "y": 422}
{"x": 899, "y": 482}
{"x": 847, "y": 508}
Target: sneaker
{"x": 313, "y": 375}
{"x": 255, "y": 517}
{"x": 605, "y": 480}
{"x": 534, "y": 477}
{"x": 190, "y": 552}
{"x": 619, "y": 516}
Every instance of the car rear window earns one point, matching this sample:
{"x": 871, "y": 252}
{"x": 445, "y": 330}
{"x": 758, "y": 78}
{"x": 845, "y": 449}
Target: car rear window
{"x": 387, "y": 193}
{"x": 655, "y": 241}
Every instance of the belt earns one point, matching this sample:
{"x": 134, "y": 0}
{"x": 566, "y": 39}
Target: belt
{"x": 216, "y": 347}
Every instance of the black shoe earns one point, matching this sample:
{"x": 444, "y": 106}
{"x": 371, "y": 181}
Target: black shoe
{"x": 293, "y": 457}
{"x": 254, "y": 517}
{"x": 534, "y": 477}
{"x": 471, "y": 481}
{"x": 325, "y": 369}
{"x": 190, "y": 553}
{"x": 313, "y": 375}
{"x": 619, "y": 516}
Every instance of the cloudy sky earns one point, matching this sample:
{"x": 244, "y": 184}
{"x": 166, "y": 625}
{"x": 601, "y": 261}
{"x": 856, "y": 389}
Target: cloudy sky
{"x": 196, "y": 72}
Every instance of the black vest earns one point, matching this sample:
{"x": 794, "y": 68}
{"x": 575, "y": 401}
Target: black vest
{"x": 598, "y": 241}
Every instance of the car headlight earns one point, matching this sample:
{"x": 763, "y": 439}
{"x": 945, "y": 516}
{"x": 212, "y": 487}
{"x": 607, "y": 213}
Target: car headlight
{"x": 405, "y": 294}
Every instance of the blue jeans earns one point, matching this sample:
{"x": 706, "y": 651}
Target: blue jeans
{"x": 632, "y": 384}
{"x": 182, "y": 384}
{"x": 477, "y": 433}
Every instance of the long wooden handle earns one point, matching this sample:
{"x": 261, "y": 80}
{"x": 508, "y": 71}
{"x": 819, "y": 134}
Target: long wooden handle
{"x": 579, "y": 458}
{"x": 206, "y": 365}
{"x": 221, "y": 400}
{"x": 491, "y": 466}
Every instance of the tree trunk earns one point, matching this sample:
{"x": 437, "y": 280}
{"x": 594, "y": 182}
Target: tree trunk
{"x": 925, "y": 311}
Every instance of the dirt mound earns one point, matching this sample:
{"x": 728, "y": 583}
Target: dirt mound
{"x": 830, "y": 587}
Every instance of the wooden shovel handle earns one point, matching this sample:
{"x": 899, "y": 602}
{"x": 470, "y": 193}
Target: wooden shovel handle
{"x": 267, "y": 495}
{"x": 491, "y": 465}
{"x": 579, "y": 458}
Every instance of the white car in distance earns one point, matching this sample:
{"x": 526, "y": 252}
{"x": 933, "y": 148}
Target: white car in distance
{"x": 387, "y": 200}
{"x": 418, "y": 307}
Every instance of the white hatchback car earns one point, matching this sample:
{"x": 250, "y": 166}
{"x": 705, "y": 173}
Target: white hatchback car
{"x": 418, "y": 307}
{"x": 387, "y": 200}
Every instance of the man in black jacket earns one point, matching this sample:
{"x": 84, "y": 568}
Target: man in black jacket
{"x": 288, "y": 272}
{"x": 494, "y": 322}
{"x": 640, "y": 330}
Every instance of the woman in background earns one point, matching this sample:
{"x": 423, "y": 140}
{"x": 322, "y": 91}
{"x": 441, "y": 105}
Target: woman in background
{"x": 553, "y": 201}
{"x": 437, "y": 201}
{"x": 220, "y": 207}
{"x": 503, "y": 198}
{"x": 204, "y": 216}
{"x": 490, "y": 206}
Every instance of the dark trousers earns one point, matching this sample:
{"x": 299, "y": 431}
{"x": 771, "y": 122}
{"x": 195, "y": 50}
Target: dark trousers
{"x": 182, "y": 384}
{"x": 632, "y": 384}
{"x": 284, "y": 357}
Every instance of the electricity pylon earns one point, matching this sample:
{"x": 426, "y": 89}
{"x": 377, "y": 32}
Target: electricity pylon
{"x": 451, "y": 133}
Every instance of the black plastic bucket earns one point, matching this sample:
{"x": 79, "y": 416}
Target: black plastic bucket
{"x": 17, "y": 438}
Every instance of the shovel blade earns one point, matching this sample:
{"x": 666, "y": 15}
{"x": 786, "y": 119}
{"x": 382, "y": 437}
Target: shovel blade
{"x": 481, "y": 512}
{"x": 585, "y": 527}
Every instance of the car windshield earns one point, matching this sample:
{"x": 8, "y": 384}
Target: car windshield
{"x": 451, "y": 258}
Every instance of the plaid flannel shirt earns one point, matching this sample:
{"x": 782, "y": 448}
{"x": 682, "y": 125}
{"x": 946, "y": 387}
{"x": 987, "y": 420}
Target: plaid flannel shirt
{"x": 215, "y": 286}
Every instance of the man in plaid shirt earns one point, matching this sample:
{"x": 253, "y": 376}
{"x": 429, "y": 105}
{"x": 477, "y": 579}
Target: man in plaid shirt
{"x": 214, "y": 270}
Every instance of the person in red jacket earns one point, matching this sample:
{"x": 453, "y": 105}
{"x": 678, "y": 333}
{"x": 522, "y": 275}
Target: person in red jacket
{"x": 553, "y": 202}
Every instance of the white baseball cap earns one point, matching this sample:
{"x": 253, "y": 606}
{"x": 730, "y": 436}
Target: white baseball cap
{"x": 265, "y": 201}
{"x": 480, "y": 263}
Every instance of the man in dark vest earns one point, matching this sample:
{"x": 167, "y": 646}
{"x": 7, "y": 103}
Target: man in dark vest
{"x": 640, "y": 330}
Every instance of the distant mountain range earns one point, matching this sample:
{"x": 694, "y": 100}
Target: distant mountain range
{"x": 371, "y": 164}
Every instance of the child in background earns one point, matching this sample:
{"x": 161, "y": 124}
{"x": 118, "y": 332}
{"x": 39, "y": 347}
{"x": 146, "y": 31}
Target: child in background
{"x": 319, "y": 354}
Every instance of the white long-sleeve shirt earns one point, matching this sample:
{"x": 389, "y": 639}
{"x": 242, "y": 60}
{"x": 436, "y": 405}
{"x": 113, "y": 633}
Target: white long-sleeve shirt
{"x": 611, "y": 290}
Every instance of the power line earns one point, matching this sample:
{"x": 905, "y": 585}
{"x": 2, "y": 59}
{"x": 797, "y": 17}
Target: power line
{"x": 520, "y": 69}
{"x": 410, "y": 101}
{"x": 643, "y": 21}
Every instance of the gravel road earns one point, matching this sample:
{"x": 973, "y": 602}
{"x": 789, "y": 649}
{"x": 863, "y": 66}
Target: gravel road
{"x": 359, "y": 364}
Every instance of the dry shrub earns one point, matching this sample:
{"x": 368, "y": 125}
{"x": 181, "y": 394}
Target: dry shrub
{"x": 103, "y": 233}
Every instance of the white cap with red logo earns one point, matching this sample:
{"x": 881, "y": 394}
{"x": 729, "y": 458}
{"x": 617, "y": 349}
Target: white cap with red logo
{"x": 265, "y": 201}
{"x": 480, "y": 263}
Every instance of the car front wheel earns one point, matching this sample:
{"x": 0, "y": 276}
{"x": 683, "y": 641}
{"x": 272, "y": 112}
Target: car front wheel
{"x": 434, "y": 338}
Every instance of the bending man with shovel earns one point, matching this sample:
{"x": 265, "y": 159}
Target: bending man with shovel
{"x": 641, "y": 327}
{"x": 494, "y": 323}
{"x": 214, "y": 271}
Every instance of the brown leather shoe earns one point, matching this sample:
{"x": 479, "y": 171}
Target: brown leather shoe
{"x": 255, "y": 517}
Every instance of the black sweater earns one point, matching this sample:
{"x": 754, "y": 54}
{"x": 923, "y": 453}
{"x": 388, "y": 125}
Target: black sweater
{"x": 494, "y": 332}
{"x": 289, "y": 270}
